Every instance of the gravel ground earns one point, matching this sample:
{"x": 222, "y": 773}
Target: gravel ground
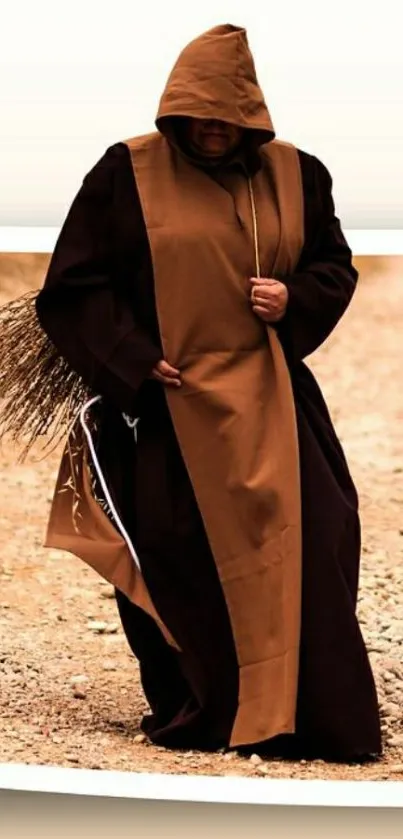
{"x": 70, "y": 688}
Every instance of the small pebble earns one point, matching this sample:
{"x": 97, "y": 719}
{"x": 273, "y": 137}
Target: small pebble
{"x": 78, "y": 680}
{"x": 108, "y": 593}
{"x": 97, "y": 626}
{"x": 389, "y": 689}
{"x": 396, "y": 741}
{"x": 79, "y": 693}
{"x": 392, "y": 709}
{"x": 263, "y": 769}
{"x": 111, "y": 628}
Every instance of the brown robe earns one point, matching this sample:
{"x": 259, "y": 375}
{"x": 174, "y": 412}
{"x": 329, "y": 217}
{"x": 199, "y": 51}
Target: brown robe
{"x": 200, "y": 696}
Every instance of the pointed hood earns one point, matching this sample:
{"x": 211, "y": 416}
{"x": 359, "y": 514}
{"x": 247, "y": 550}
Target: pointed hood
{"x": 214, "y": 77}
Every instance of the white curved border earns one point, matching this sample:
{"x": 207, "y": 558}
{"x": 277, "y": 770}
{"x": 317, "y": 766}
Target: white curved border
{"x": 202, "y": 788}
{"x": 43, "y": 239}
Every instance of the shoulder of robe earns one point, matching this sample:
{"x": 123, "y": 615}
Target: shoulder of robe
{"x": 311, "y": 167}
{"x": 317, "y": 187}
{"x": 315, "y": 174}
{"x": 308, "y": 162}
{"x": 144, "y": 141}
{"x": 112, "y": 173}
{"x": 279, "y": 147}
{"x": 99, "y": 179}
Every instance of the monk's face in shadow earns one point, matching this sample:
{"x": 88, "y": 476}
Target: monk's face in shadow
{"x": 212, "y": 137}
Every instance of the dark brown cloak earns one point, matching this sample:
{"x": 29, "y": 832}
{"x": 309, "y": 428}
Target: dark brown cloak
{"x": 98, "y": 307}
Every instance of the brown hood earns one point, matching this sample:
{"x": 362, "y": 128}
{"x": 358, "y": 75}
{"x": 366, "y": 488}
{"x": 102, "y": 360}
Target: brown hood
{"x": 215, "y": 78}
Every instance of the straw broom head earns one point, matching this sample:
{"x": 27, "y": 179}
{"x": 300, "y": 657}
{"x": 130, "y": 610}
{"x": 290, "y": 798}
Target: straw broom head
{"x": 40, "y": 394}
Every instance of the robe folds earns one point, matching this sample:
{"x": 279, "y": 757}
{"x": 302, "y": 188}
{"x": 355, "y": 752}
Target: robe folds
{"x": 235, "y": 490}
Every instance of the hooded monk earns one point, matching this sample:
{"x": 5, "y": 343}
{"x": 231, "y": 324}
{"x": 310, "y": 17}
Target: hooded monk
{"x": 197, "y": 268}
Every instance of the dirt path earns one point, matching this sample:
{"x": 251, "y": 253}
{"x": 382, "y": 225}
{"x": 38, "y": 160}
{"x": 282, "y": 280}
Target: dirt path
{"x": 70, "y": 693}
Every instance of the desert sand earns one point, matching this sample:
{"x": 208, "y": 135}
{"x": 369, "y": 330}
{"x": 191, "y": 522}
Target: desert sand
{"x": 70, "y": 686}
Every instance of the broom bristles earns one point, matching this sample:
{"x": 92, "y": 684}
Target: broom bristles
{"x": 40, "y": 393}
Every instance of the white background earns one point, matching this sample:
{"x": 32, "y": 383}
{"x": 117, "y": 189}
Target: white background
{"x": 76, "y": 77}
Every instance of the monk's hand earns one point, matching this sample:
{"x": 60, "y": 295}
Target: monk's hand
{"x": 167, "y": 375}
{"x": 269, "y": 299}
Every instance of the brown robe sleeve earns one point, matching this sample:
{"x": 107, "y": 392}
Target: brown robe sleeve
{"x": 83, "y": 306}
{"x": 324, "y": 281}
